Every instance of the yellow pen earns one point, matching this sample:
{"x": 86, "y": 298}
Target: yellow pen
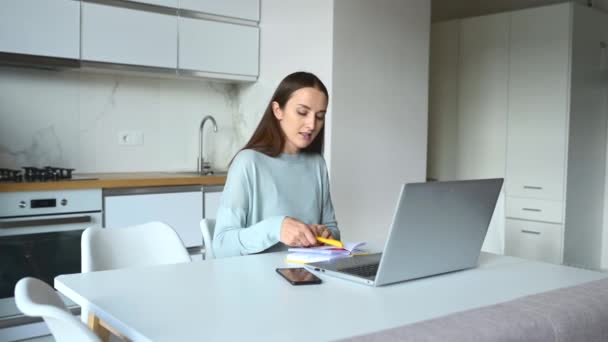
{"x": 330, "y": 242}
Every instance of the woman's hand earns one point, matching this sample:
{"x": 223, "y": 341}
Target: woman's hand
{"x": 322, "y": 231}
{"x": 298, "y": 234}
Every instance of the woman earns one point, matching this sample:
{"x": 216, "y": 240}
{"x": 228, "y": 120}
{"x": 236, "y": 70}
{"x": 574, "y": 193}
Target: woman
{"x": 277, "y": 191}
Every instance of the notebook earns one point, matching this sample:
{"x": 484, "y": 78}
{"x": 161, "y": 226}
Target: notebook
{"x": 303, "y": 255}
{"x": 438, "y": 227}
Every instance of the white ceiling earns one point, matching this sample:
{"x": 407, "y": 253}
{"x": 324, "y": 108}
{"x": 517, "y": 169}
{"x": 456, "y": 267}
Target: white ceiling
{"x": 451, "y": 9}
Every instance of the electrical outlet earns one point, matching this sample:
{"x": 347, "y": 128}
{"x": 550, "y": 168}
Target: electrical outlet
{"x": 131, "y": 138}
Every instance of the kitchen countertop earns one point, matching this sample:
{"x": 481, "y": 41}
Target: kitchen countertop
{"x": 118, "y": 180}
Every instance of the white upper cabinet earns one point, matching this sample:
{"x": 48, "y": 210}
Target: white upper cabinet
{"x": 216, "y": 47}
{"x": 217, "y": 39}
{"x": 538, "y": 102}
{"x": 240, "y": 9}
{"x": 45, "y": 28}
{"x": 128, "y": 36}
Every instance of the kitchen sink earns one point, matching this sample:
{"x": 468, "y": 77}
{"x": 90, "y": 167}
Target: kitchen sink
{"x": 196, "y": 173}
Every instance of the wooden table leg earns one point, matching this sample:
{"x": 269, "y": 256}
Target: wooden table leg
{"x": 103, "y": 330}
{"x": 99, "y": 329}
{"x": 113, "y": 331}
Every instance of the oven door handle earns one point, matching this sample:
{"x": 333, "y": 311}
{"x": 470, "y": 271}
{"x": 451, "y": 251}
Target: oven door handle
{"x": 45, "y": 221}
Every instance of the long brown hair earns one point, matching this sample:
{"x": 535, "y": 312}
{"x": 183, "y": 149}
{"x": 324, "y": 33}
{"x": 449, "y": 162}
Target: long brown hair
{"x": 268, "y": 137}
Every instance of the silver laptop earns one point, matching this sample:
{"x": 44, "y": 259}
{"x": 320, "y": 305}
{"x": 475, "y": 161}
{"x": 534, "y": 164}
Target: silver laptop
{"x": 438, "y": 227}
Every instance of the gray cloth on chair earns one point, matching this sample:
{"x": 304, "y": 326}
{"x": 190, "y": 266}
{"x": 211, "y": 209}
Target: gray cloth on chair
{"x": 578, "y": 313}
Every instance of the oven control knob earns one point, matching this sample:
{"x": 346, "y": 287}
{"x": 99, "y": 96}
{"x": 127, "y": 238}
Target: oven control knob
{"x": 22, "y": 204}
{"x": 64, "y": 202}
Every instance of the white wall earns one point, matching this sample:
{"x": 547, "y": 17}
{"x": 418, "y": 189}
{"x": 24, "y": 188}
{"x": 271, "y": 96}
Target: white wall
{"x": 379, "y": 124}
{"x": 294, "y": 36}
{"x": 443, "y": 149}
{"x": 72, "y": 119}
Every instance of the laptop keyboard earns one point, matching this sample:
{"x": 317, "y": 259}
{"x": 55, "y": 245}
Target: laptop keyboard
{"x": 366, "y": 271}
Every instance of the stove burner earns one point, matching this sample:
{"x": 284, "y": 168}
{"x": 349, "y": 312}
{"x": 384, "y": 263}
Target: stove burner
{"x": 8, "y": 175}
{"x": 35, "y": 174}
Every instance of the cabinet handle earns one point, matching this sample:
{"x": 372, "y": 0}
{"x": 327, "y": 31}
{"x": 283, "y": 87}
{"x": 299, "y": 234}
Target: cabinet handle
{"x": 525, "y": 231}
{"x": 532, "y": 187}
{"x": 531, "y": 209}
{"x": 45, "y": 222}
{"x": 603, "y": 47}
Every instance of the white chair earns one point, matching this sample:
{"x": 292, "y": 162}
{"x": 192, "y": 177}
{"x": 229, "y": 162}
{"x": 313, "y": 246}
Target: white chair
{"x": 35, "y": 298}
{"x": 148, "y": 244}
{"x": 153, "y": 243}
{"x": 207, "y": 228}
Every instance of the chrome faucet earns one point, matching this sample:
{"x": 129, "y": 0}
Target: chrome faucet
{"x": 204, "y": 167}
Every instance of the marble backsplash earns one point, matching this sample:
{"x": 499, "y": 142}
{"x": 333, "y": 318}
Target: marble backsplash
{"x": 73, "y": 119}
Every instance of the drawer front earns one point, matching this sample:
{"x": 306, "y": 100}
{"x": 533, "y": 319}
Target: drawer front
{"x": 534, "y": 240}
{"x": 547, "y": 186}
{"x": 534, "y": 209}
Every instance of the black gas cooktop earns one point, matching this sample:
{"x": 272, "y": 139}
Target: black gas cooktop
{"x": 36, "y": 174}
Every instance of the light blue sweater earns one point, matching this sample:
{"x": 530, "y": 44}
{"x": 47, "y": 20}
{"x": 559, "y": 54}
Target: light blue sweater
{"x": 261, "y": 191}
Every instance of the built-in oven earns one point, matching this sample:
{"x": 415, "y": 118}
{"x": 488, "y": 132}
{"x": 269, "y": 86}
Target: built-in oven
{"x": 40, "y": 235}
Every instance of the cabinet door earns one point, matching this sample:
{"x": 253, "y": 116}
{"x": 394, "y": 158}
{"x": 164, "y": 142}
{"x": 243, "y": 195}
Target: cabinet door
{"x": 128, "y": 36}
{"x": 482, "y": 97}
{"x": 241, "y": 9}
{"x": 538, "y": 102}
{"x": 183, "y": 211}
{"x": 216, "y": 47}
{"x": 43, "y": 28}
{"x": 211, "y": 201}
{"x": 534, "y": 240}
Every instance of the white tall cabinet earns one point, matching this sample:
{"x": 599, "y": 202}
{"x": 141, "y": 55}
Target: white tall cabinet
{"x": 539, "y": 74}
{"x": 536, "y": 116}
{"x": 556, "y": 146}
{"x": 468, "y": 106}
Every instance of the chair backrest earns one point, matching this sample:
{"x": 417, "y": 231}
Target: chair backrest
{"x": 35, "y": 298}
{"x": 153, "y": 243}
{"x": 207, "y": 228}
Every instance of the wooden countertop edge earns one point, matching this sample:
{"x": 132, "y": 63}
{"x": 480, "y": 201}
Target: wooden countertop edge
{"x": 113, "y": 183}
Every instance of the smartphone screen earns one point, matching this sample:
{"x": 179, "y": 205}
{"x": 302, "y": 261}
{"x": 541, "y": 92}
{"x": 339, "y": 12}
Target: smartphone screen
{"x": 298, "y": 276}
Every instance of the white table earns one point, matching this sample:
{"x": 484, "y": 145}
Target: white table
{"x": 244, "y": 299}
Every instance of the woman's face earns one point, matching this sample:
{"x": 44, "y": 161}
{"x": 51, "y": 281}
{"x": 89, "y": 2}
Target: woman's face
{"x": 302, "y": 118}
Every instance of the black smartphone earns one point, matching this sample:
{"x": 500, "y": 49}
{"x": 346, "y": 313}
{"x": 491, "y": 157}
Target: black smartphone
{"x": 298, "y": 276}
